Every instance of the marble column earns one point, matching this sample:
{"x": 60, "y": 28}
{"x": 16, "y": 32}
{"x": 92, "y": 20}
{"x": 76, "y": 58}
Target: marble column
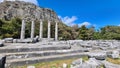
{"x": 56, "y": 31}
{"x": 41, "y": 30}
{"x": 49, "y": 33}
{"x": 23, "y": 30}
{"x": 32, "y": 29}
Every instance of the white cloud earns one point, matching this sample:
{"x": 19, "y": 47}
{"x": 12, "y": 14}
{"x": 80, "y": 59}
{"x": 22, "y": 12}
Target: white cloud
{"x": 119, "y": 25}
{"x": 84, "y": 23}
{"x": 70, "y": 21}
{"x": 31, "y": 1}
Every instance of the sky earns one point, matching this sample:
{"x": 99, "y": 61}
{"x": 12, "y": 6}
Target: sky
{"x": 98, "y": 13}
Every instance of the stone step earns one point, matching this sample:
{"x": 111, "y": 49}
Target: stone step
{"x": 14, "y": 49}
{"x": 33, "y": 60}
{"x": 19, "y": 55}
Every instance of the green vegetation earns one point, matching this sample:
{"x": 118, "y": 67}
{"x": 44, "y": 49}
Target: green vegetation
{"x": 12, "y": 29}
{"x": 85, "y": 58}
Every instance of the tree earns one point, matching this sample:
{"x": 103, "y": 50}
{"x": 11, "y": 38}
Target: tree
{"x": 110, "y": 32}
{"x": 83, "y": 33}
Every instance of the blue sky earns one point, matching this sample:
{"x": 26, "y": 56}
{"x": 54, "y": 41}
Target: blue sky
{"x": 89, "y": 12}
{"x": 84, "y": 12}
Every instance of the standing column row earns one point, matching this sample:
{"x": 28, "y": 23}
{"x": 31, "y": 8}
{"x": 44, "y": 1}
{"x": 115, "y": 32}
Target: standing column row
{"x": 22, "y": 36}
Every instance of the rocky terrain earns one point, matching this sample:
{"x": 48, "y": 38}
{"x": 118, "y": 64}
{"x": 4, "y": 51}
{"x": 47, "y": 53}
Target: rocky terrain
{"x": 31, "y": 51}
{"x": 18, "y": 54}
{"x": 26, "y": 10}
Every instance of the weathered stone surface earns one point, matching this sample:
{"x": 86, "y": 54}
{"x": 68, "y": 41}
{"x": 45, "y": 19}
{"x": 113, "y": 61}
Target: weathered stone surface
{"x": 14, "y": 40}
{"x": 22, "y": 35}
{"x": 96, "y": 44}
{"x": 1, "y": 43}
{"x": 29, "y": 53}
{"x": 29, "y": 40}
{"x": 36, "y": 39}
{"x": 49, "y": 28}
{"x": 21, "y": 9}
{"x": 41, "y": 30}
{"x": 8, "y": 40}
{"x": 2, "y": 61}
{"x": 32, "y": 29}
{"x": 77, "y": 62}
{"x": 91, "y": 63}
{"x": 98, "y": 55}
{"x": 114, "y": 54}
{"x": 56, "y": 31}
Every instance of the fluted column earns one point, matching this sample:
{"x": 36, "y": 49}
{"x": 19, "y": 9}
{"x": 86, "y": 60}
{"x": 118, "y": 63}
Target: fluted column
{"x": 49, "y": 34}
{"x": 41, "y": 30}
{"x": 23, "y": 30}
{"x": 32, "y": 29}
{"x": 56, "y": 31}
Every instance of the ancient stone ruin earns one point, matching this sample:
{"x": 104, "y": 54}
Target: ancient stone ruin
{"x": 40, "y": 30}
{"x": 25, "y": 51}
{"x": 17, "y": 52}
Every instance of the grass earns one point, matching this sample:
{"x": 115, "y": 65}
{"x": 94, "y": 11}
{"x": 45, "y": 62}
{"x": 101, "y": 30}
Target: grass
{"x": 55, "y": 64}
{"x": 52, "y": 64}
{"x": 85, "y": 58}
{"x": 114, "y": 61}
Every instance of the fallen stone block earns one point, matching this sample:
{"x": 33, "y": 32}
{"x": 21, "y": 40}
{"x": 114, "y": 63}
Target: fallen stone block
{"x": 114, "y": 54}
{"x": 1, "y": 43}
{"x": 36, "y": 39}
{"x": 91, "y": 63}
{"x": 77, "y": 62}
{"x": 2, "y": 61}
{"x": 98, "y": 56}
{"x": 24, "y": 40}
{"x": 8, "y": 40}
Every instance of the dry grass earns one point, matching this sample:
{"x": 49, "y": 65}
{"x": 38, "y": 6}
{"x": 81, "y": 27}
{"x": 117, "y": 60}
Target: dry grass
{"x": 55, "y": 64}
{"x": 52, "y": 64}
{"x": 114, "y": 61}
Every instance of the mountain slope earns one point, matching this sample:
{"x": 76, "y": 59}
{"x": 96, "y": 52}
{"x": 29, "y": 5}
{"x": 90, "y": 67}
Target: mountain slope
{"x": 26, "y": 10}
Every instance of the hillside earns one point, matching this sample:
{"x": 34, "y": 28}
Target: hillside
{"x": 29, "y": 11}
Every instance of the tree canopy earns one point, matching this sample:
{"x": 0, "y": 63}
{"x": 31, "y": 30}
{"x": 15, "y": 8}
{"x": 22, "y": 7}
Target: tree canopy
{"x": 12, "y": 29}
